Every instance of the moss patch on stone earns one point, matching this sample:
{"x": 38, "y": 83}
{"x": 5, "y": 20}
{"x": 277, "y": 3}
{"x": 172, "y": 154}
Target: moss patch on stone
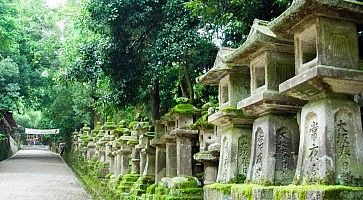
{"x": 333, "y": 192}
{"x": 224, "y": 188}
{"x": 202, "y": 123}
{"x": 184, "y": 109}
{"x": 233, "y": 110}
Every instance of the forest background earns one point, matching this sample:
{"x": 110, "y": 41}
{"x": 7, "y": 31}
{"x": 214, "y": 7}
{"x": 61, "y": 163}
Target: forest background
{"x": 64, "y": 63}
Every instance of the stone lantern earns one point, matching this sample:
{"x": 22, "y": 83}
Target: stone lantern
{"x": 96, "y": 136}
{"x": 75, "y": 140}
{"x": 160, "y": 154}
{"x": 233, "y": 127}
{"x": 168, "y": 123}
{"x": 328, "y": 72}
{"x": 108, "y": 127}
{"x": 207, "y": 138}
{"x": 184, "y": 115}
{"x": 135, "y": 155}
{"x": 123, "y": 150}
{"x": 141, "y": 128}
{"x": 275, "y": 133}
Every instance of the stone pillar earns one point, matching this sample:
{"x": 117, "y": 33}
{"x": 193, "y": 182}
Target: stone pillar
{"x": 108, "y": 151}
{"x": 112, "y": 159}
{"x": 118, "y": 162}
{"x": 125, "y": 157}
{"x": 171, "y": 158}
{"x": 275, "y": 143}
{"x": 160, "y": 152}
{"x": 135, "y": 159}
{"x": 234, "y": 131}
{"x": 149, "y": 169}
{"x": 160, "y": 165}
{"x": 234, "y": 153}
{"x": 331, "y": 142}
{"x": 184, "y": 155}
{"x": 74, "y": 140}
{"x": 143, "y": 156}
{"x": 184, "y": 150}
{"x": 102, "y": 155}
{"x": 207, "y": 137}
{"x": 91, "y": 149}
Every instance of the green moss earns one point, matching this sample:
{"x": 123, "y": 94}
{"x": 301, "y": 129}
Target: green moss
{"x": 234, "y": 110}
{"x": 151, "y": 188}
{"x": 202, "y": 123}
{"x": 184, "y": 109}
{"x": 110, "y": 125}
{"x": 121, "y": 131}
{"x": 167, "y": 118}
{"x": 224, "y": 188}
{"x": 86, "y": 138}
{"x": 181, "y": 100}
{"x": 190, "y": 183}
{"x": 132, "y": 142}
{"x": 246, "y": 191}
{"x": 133, "y": 124}
{"x": 160, "y": 190}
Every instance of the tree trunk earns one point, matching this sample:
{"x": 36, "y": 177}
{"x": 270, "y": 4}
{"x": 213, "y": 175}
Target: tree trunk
{"x": 155, "y": 102}
{"x": 96, "y": 117}
{"x": 181, "y": 85}
{"x": 189, "y": 84}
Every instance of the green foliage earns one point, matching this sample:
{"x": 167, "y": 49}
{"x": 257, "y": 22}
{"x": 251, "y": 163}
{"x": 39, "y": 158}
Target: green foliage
{"x": 3, "y": 136}
{"x": 9, "y": 88}
{"x": 90, "y": 59}
{"x": 202, "y": 122}
{"x": 150, "y": 42}
{"x": 230, "y": 21}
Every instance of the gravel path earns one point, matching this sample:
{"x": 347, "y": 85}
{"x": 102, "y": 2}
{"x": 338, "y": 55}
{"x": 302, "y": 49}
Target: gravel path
{"x": 38, "y": 175}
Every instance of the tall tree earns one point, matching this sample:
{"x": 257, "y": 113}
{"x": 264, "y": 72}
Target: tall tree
{"x": 230, "y": 20}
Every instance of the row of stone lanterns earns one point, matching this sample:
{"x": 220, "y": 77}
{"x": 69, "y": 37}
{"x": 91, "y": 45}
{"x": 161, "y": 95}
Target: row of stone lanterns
{"x": 286, "y": 115}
